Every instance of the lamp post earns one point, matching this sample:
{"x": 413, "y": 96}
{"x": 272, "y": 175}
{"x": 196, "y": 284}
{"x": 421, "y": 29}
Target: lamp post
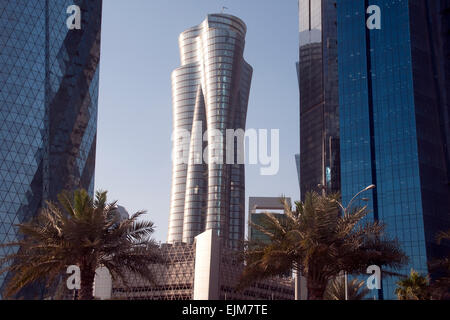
{"x": 372, "y": 186}
{"x": 345, "y": 210}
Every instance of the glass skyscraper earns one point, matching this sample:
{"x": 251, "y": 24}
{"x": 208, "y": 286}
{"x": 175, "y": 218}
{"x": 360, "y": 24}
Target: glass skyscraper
{"x": 394, "y": 120}
{"x": 318, "y": 81}
{"x": 48, "y": 105}
{"x": 211, "y": 88}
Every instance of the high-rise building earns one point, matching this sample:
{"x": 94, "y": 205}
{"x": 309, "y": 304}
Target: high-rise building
{"x": 49, "y": 76}
{"x": 394, "y": 120}
{"x": 211, "y": 88}
{"x": 297, "y": 165}
{"x": 259, "y": 205}
{"x": 318, "y": 81}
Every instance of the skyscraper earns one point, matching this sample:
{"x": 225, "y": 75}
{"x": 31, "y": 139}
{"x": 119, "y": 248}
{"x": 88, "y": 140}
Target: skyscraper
{"x": 210, "y": 88}
{"x": 49, "y": 76}
{"x": 297, "y": 165}
{"x": 259, "y": 205}
{"x": 318, "y": 81}
{"x": 394, "y": 120}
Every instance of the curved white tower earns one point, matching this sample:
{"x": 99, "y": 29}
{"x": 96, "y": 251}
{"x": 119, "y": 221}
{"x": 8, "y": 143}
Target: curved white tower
{"x": 212, "y": 88}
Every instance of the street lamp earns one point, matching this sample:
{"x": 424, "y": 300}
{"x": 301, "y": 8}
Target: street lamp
{"x": 345, "y": 210}
{"x": 370, "y": 187}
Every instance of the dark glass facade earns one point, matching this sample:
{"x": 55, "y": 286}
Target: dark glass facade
{"x": 394, "y": 111}
{"x": 318, "y": 81}
{"x": 48, "y": 105}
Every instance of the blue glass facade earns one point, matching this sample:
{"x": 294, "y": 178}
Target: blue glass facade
{"x": 392, "y": 121}
{"x": 48, "y": 105}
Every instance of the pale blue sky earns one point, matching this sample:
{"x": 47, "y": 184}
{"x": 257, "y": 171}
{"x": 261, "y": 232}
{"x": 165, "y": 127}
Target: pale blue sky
{"x": 139, "y": 52}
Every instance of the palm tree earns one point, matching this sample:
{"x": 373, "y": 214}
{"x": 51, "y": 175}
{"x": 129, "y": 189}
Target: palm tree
{"x": 440, "y": 268}
{"x": 356, "y": 290}
{"x": 443, "y": 235}
{"x": 85, "y": 232}
{"x": 414, "y": 287}
{"x": 320, "y": 242}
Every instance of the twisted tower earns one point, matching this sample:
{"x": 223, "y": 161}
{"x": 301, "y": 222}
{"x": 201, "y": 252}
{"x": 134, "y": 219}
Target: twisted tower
{"x": 210, "y": 88}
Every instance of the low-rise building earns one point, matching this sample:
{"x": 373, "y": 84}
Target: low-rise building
{"x": 204, "y": 270}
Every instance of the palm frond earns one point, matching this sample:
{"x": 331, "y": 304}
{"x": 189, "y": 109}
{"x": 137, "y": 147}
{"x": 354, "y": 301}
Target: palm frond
{"x": 84, "y": 232}
{"x": 319, "y": 239}
{"x": 443, "y": 235}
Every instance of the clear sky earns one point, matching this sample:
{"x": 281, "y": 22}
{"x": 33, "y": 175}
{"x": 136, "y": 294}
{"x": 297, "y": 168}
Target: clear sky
{"x": 139, "y": 52}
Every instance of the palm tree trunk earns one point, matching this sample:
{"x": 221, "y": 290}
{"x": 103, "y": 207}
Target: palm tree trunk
{"x": 87, "y": 284}
{"x": 316, "y": 290}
